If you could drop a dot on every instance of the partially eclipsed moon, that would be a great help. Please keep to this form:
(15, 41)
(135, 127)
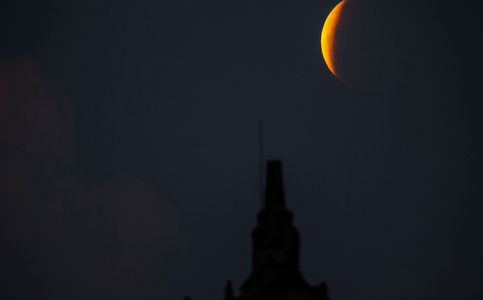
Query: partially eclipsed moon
(328, 38)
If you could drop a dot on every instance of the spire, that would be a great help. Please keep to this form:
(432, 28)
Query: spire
(229, 291)
(274, 194)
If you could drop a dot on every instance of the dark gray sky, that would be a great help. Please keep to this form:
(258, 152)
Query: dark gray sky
(129, 146)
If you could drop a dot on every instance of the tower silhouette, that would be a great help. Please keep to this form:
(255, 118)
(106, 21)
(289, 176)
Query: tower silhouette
(275, 251)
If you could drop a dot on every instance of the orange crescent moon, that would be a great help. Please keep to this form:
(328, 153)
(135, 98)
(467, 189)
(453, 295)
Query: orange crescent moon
(327, 38)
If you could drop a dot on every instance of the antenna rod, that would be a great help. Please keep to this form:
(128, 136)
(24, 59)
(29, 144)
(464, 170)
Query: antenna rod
(260, 141)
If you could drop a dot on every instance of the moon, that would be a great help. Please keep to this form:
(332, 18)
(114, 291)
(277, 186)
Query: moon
(328, 38)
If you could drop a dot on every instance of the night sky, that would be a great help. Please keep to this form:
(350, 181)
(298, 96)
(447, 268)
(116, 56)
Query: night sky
(129, 164)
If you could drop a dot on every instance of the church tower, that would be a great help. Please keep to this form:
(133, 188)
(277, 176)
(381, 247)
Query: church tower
(275, 251)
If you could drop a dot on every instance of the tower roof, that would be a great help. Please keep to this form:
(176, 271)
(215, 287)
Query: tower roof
(274, 193)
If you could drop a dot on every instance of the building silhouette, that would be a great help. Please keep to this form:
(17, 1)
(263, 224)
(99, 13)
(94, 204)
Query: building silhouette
(275, 251)
(275, 271)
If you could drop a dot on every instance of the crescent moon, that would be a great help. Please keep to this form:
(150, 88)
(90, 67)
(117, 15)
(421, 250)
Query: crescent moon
(327, 39)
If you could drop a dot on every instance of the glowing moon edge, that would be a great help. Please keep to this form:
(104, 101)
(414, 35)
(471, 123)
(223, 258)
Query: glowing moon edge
(327, 38)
